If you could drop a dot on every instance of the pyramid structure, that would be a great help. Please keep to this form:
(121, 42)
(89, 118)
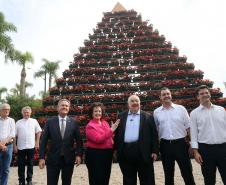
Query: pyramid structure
(118, 8)
(123, 56)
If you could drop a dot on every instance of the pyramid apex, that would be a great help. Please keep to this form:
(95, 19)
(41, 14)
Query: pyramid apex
(118, 8)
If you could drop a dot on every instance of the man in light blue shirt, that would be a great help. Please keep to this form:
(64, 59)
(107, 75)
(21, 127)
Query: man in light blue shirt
(136, 142)
(132, 127)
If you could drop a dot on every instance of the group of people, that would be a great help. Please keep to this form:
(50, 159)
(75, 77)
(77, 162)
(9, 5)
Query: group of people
(22, 138)
(135, 138)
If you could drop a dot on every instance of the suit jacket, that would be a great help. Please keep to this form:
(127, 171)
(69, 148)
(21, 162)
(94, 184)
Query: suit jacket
(148, 137)
(71, 142)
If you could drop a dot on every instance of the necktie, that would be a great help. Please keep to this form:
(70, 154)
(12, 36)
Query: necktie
(62, 128)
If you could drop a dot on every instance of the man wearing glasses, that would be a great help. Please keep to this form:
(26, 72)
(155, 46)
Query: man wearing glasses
(7, 134)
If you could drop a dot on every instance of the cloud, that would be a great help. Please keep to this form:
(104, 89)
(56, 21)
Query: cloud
(55, 29)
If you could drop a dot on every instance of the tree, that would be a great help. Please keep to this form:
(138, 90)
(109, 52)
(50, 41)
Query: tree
(16, 89)
(42, 73)
(28, 84)
(22, 59)
(43, 94)
(2, 90)
(6, 45)
(18, 102)
(39, 74)
(50, 68)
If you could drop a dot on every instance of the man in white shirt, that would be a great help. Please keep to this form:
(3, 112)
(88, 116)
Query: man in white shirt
(27, 140)
(173, 125)
(208, 137)
(7, 134)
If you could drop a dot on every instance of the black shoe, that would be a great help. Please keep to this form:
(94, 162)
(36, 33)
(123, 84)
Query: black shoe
(29, 183)
(21, 183)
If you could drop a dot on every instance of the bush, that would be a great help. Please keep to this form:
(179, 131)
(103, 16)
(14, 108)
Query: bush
(18, 102)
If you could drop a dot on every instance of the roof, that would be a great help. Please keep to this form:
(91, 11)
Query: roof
(118, 8)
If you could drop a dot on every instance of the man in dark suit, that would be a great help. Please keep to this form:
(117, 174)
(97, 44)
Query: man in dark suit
(61, 133)
(136, 143)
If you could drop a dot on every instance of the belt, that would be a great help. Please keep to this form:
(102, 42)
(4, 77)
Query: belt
(212, 145)
(173, 140)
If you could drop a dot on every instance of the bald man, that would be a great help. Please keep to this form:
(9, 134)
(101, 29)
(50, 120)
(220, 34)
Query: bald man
(136, 143)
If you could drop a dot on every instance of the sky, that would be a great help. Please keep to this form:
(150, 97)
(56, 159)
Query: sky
(55, 29)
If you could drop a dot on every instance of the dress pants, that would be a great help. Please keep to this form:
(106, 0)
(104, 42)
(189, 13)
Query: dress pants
(98, 162)
(132, 163)
(176, 150)
(25, 157)
(53, 172)
(213, 156)
(5, 161)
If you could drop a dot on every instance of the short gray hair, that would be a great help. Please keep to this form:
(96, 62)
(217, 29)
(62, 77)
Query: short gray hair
(61, 100)
(26, 108)
(164, 89)
(4, 105)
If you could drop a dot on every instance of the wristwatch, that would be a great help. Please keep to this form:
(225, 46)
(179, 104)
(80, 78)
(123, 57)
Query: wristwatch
(10, 142)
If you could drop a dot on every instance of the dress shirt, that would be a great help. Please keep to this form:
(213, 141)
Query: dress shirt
(99, 136)
(132, 127)
(25, 132)
(7, 128)
(172, 122)
(208, 125)
(60, 121)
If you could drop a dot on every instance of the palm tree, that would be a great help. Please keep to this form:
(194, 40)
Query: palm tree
(51, 69)
(28, 84)
(42, 73)
(16, 89)
(2, 90)
(39, 74)
(22, 59)
(6, 45)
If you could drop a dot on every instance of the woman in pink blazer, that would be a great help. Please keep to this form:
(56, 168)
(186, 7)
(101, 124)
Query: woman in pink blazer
(99, 144)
